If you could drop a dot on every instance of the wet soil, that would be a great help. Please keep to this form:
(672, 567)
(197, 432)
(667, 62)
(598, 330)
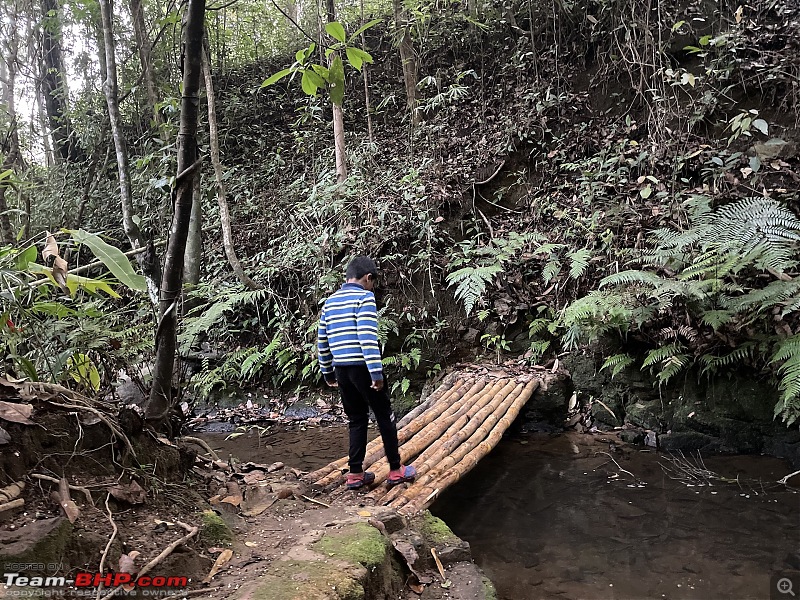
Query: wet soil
(552, 516)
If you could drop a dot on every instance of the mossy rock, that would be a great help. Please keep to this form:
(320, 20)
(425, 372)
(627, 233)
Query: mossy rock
(214, 531)
(307, 580)
(490, 593)
(435, 530)
(40, 542)
(356, 543)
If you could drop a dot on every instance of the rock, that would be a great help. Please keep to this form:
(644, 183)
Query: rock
(549, 404)
(775, 148)
(39, 542)
(392, 521)
(687, 441)
(645, 414)
(632, 436)
(470, 336)
(651, 439)
(454, 552)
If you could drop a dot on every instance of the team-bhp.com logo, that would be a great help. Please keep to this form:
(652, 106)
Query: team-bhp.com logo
(93, 580)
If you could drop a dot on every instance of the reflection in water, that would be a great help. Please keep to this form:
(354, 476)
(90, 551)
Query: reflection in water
(553, 517)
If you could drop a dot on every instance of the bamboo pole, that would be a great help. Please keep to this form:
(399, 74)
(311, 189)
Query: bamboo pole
(457, 451)
(341, 463)
(425, 496)
(455, 434)
(333, 471)
(433, 397)
(443, 412)
(434, 431)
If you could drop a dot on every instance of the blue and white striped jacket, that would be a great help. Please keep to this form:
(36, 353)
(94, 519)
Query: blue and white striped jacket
(348, 331)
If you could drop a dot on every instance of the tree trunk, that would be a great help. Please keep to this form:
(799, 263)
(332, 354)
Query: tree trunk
(193, 257)
(54, 85)
(224, 213)
(143, 45)
(8, 72)
(366, 78)
(112, 100)
(160, 402)
(407, 58)
(338, 116)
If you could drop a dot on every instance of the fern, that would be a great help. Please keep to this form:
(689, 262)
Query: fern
(471, 283)
(788, 352)
(632, 277)
(579, 262)
(743, 354)
(551, 269)
(669, 359)
(617, 363)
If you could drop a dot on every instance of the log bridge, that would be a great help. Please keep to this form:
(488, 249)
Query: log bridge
(444, 437)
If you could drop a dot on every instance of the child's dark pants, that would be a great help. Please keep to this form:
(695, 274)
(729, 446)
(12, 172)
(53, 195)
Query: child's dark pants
(357, 398)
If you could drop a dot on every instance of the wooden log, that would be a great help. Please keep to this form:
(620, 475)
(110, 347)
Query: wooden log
(433, 398)
(334, 471)
(424, 498)
(434, 430)
(458, 451)
(454, 437)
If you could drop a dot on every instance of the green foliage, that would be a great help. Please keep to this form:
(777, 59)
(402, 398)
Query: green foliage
(314, 76)
(471, 283)
(787, 354)
(617, 363)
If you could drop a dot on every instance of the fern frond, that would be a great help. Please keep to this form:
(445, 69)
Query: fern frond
(579, 262)
(744, 354)
(632, 277)
(617, 363)
(471, 283)
(551, 269)
(788, 351)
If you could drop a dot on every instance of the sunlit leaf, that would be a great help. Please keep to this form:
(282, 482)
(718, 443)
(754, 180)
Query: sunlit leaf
(309, 87)
(276, 77)
(113, 258)
(364, 27)
(336, 31)
(336, 80)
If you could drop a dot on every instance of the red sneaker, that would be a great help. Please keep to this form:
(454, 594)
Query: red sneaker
(358, 480)
(401, 475)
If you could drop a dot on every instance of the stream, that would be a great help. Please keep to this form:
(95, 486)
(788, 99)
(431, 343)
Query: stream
(581, 516)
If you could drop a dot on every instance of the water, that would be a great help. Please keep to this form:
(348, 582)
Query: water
(553, 517)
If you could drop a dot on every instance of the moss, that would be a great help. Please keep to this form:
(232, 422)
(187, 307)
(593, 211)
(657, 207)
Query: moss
(214, 531)
(306, 580)
(488, 589)
(435, 530)
(359, 543)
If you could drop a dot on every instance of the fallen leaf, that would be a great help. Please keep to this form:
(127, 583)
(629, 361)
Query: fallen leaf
(250, 544)
(16, 413)
(416, 588)
(132, 493)
(71, 510)
(223, 558)
(5, 438)
(364, 513)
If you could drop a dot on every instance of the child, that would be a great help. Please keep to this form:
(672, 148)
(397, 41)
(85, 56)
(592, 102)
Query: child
(350, 359)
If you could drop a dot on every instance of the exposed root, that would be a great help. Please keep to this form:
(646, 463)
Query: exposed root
(201, 443)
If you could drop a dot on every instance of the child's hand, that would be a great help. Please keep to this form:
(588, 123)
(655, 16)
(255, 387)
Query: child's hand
(332, 383)
(377, 385)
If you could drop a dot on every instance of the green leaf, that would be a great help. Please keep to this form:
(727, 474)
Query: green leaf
(678, 25)
(336, 81)
(336, 31)
(26, 256)
(6, 174)
(705, 40)
(92, 286)
(357, 57)
(755, 163)
(309, 86)
(113, 258)
(321, 71)
(646, 192)
(761, 125)
(275, 78)
(82, 369)
(364, 27)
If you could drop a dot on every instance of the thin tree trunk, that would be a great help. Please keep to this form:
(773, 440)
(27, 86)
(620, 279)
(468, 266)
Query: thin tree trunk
(224, 213)
(338, 116)
(54, 81)
(112, 100)
(407, 58)
(160, 402)
(193, 257)
(8, 70)
(143, 45)
(366, 78)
